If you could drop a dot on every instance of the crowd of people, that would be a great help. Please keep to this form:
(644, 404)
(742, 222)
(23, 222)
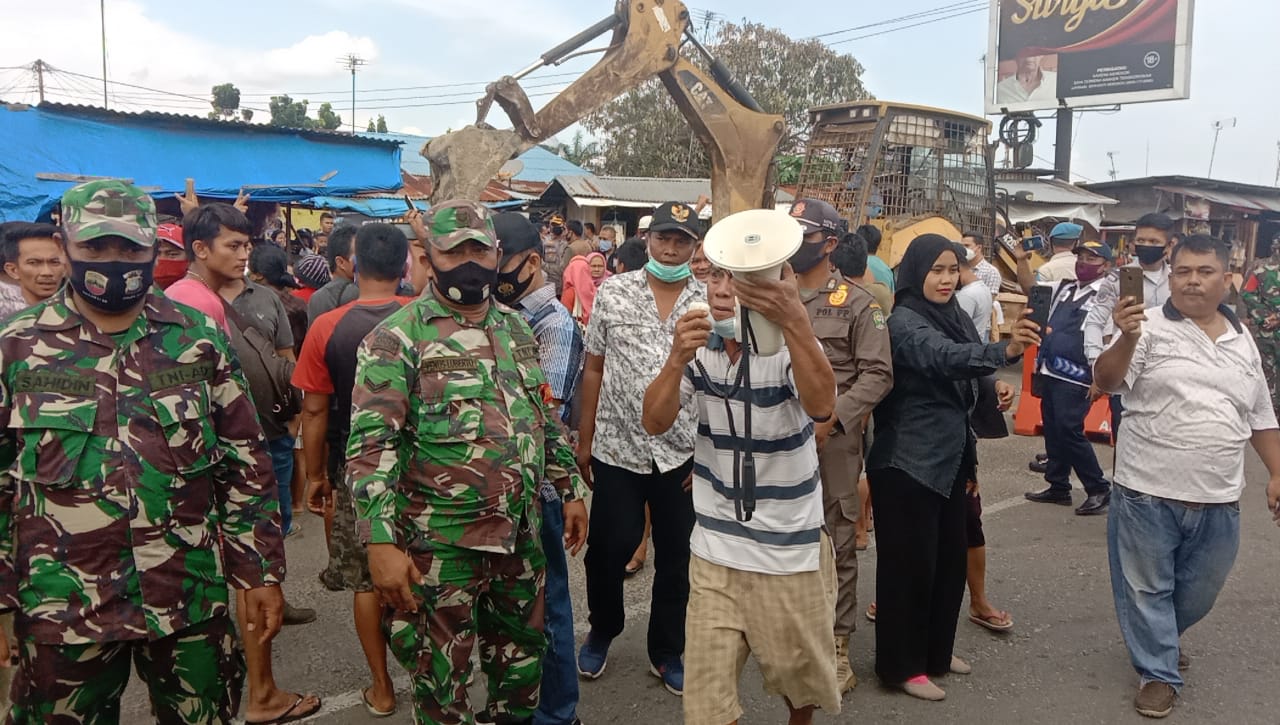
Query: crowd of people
(179, 392)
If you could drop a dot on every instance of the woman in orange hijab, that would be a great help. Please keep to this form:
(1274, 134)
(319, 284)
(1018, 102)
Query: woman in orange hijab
(582, 277)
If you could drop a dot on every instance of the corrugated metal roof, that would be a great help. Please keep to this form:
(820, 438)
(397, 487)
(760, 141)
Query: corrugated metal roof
(540, 165)
(642, 189)
(1226, 198)
(1051, 191)
(172, 119)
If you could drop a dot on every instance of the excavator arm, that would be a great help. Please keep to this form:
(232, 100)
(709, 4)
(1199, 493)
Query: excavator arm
(646, 39)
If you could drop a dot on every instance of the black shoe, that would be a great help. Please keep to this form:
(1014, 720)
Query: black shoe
(1049, 495)
(1042, 457)
(1040, 464)
(298, 615)
(1094, 505)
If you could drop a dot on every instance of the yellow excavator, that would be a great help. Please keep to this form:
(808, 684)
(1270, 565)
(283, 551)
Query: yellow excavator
(646, 39)
(908, 170)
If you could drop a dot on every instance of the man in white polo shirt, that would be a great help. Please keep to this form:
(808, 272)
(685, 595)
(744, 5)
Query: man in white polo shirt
(761, 579)
(1194, 394)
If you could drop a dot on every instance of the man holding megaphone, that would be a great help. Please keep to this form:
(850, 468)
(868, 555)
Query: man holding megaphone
(762, 574)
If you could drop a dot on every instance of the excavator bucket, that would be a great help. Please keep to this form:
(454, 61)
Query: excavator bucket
(463, 162)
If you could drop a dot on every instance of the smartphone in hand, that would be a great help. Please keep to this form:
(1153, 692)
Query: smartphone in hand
(1039, 301)
(1131, 283)
(1033, 244)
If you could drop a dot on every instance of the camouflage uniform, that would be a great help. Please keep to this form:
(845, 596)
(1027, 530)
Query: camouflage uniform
(1261, 296)
(135, 486)
(450, 436)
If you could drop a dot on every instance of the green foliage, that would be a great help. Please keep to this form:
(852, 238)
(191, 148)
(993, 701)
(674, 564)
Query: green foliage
(289, 113)
(643, 133)
(382, 123)
(582, 152)
(225, 102)
(326, 118)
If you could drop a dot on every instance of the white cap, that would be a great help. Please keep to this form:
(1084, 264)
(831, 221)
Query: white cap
(645, 221)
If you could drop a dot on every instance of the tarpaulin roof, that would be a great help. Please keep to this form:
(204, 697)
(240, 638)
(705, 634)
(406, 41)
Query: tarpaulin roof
(538, 164)
(383, 207)
(49, 148)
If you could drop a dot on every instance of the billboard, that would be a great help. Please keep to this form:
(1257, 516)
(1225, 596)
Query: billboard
(1050, 53)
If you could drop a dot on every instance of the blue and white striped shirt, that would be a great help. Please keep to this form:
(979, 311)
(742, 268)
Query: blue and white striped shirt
(783, 535)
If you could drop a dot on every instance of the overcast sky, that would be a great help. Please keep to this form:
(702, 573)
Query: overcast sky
(455, 46)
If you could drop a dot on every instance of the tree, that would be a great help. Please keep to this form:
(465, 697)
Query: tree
(226, 101)
(642, 133)
(382, 123)
(289, 113)
(371, 128)
(328, 120)
(581, 152)
(246, 114)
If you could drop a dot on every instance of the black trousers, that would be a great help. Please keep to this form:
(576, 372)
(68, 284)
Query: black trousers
(921, 562)
(617, 524)
(1062, 411)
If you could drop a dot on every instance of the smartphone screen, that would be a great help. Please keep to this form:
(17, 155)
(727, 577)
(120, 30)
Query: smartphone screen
(1033, 244)
(1131, 283)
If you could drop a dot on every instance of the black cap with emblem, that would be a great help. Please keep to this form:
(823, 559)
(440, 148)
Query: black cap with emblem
(677, 216)
(815, 215)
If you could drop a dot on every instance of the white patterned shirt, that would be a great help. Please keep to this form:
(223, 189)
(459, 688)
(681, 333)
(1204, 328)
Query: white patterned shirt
(625, 329)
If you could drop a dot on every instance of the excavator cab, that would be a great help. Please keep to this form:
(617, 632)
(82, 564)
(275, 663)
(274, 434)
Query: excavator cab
(909, 170)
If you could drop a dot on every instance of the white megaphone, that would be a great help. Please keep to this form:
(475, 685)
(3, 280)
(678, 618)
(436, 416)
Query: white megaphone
(755, 242)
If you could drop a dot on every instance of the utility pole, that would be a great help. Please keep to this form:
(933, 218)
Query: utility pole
(102, 14)
(1217, 129)
(1111, 155)
(1277, 164)
(352, 62)
(38, 68)
(1062, 148)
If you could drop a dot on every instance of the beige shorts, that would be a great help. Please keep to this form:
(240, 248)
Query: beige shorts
(786, 621)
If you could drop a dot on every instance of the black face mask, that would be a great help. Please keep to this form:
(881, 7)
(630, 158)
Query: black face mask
(469, 283)
(112, 286)
(510, 287)
(808, 256)
(1147, 254)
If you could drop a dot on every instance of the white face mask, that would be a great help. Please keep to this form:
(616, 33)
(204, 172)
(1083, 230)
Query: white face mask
(727, 328)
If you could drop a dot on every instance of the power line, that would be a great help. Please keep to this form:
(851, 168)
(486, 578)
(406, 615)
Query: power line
(971, 4)
(906, 27)
(314, 94)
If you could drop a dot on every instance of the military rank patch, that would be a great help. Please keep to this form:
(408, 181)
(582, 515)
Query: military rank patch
(837, 298)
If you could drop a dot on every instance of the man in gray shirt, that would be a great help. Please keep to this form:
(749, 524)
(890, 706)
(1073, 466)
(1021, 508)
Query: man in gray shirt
(341, 288)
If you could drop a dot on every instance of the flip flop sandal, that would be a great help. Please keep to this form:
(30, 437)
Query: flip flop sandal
(632, 571)
(993, 622)
(290, 715)
(871, 612)
(364, 695)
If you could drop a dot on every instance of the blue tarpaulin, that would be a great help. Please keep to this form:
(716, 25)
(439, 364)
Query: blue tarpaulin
(159, 151)
(384, 208)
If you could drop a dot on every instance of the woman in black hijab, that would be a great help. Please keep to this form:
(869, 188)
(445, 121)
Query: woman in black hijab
(921, 458)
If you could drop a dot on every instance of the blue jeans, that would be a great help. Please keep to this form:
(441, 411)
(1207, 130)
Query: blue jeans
(559, 703)
(1169, 560)
(282, 463)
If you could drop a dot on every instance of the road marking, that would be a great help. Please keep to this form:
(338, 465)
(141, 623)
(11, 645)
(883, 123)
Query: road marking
(355, 698)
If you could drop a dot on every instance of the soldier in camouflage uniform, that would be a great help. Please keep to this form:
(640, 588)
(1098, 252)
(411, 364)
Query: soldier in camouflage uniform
(1261, 296)
(451, 434)
(136, 486)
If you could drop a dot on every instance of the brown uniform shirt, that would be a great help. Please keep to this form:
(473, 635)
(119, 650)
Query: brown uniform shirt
(851, 326)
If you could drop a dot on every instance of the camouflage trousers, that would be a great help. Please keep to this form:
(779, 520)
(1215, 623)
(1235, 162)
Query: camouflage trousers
(470, 595)
(1269, 350)
(193, 676)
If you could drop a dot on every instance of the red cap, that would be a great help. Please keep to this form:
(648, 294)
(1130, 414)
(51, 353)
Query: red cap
(171, 233)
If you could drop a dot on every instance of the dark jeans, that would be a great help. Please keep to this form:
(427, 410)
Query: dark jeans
(559, 702)
(1063, 409)
(921, 561)
(282, 464)
(617, 524)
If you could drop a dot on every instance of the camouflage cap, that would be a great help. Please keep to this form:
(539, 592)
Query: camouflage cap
(107, 208)
(453, 222)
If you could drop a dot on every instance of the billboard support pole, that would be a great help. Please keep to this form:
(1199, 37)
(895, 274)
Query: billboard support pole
(1062, 147)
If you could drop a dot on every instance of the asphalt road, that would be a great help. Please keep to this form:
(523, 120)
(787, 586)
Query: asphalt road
(1063, 662)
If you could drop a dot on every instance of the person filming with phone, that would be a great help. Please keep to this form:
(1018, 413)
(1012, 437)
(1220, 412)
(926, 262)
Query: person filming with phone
(761, 581)
(1194, 394)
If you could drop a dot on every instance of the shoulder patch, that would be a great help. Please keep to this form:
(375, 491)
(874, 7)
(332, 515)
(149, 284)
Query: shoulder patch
(526, 353)
(877, 317)
(384, 343)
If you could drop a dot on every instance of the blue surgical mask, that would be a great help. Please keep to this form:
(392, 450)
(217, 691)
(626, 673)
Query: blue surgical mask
(727, 328)
(604, 244)
(666, 272)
